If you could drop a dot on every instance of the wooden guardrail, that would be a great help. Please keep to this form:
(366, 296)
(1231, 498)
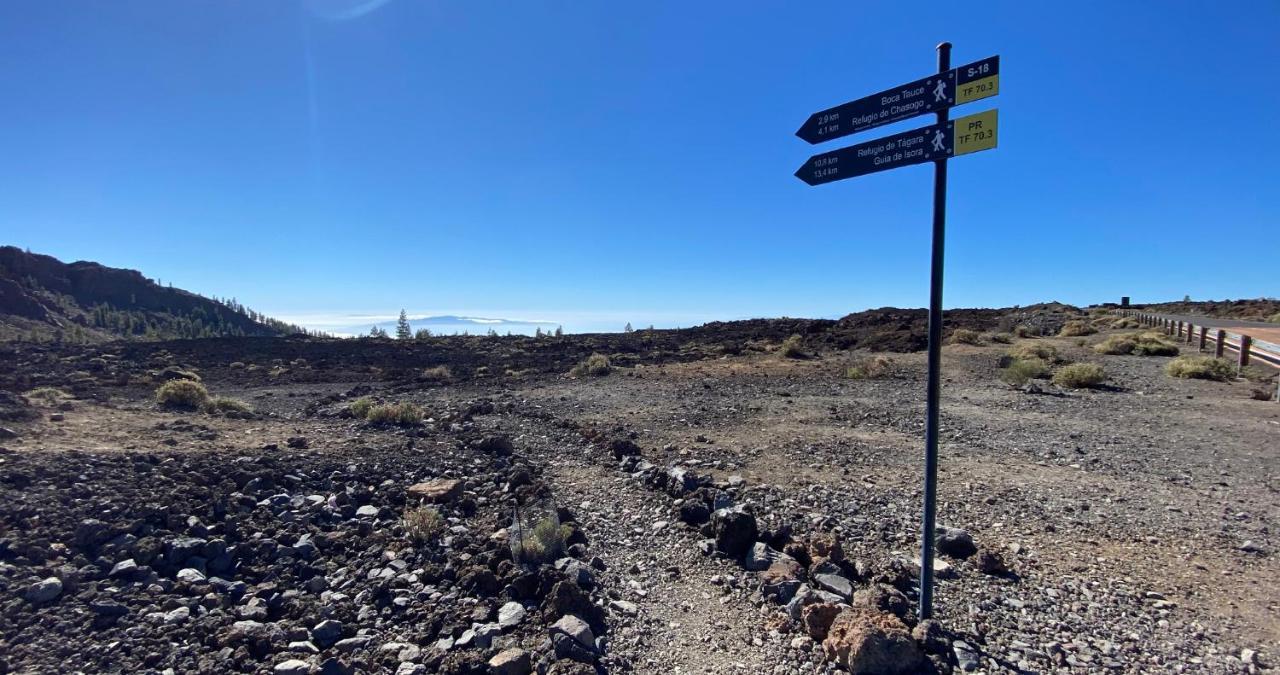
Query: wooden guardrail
(1247, 348)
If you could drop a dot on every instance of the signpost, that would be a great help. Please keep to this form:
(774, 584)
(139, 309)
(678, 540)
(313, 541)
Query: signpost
(947, 89)
(936, 143)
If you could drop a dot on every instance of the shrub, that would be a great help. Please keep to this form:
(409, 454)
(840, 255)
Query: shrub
(1023, 331)
(423, 523)
(226, 404)
(544, 542)
(1079, 376)
(791, 348)
(360, 407)
(436, 374)
(1000, 338)
(187, 394)
(1274, 318)
(395, 413)
(869, 369)
(48, 395)
(964, 336)
(1076, 329)
(1020, 371)
(1201, 368)
(1034, 350)
(1126, 322)
(1138, 344)
(176, 373)
(596, 365)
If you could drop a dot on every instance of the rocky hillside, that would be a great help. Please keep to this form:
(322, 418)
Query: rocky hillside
(43, 298)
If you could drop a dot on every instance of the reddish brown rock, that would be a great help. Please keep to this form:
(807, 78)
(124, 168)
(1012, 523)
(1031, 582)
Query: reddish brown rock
(817, 618)
(867, 641)
(438, 491)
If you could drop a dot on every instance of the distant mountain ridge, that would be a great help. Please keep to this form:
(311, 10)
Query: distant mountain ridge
(44, 298)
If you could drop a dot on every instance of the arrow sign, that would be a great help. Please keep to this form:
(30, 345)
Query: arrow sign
(960, 136)
(957, 86)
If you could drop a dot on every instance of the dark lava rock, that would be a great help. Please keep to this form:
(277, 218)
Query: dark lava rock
(734, 530)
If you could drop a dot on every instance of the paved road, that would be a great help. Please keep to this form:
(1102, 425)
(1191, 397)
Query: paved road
(1258, 330)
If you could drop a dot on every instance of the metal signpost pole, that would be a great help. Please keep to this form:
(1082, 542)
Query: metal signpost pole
(935, 361)
(945, 138)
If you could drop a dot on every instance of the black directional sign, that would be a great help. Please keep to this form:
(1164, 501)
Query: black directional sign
(960, 136)
(956, 86)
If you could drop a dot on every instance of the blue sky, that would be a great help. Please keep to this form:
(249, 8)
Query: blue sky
(593, 163)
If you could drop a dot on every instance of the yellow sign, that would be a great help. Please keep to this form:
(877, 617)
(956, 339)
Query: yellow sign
(972, 91)
(974, 133)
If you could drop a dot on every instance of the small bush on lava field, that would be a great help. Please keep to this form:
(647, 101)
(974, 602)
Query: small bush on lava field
(423, 523)
(1076, 329)
(1138, 344)
(1020, 371)
(1274, 318)
(394, 413)
(1023, 332)
(1080, 376)
(48, 395)
(1034, 350)
(187, 394)
(545, 542)
(436, 374)
(1000, 338)
(1125, 322)
(964, 336)
(790, 348)
(360, 407)
(596, 365)
(226, 404)
(1201, 368)
(872, 368)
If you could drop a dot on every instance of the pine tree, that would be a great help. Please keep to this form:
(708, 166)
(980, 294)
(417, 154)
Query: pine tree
(403, 332)
(559, 331)
(377, 332)
(538, 333)
(422, 334)
(628, 328)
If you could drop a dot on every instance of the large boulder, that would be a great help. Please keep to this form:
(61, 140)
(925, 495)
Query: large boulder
(954, 542)
(734, 530)
(761, 557)
(513, 661)
(573, 639)
(437, 491)
(867, 642)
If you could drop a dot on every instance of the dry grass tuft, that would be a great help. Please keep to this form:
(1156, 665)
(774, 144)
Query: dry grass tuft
(436, 374)
(1080, 376)
(394, 413)
(964, 336)
(1201, 368)
(48, 395)
(596, 365)
(872, 368)
(226, 404)
(790, 348)
(1138, 344)
(544, 542)
(1076, 329)
(423, 523)
(184, 394)
(1021, 371)
(360, 407)
(1035, 350)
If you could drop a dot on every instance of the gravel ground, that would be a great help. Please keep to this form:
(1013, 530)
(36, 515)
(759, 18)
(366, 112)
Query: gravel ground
(1129, 528)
